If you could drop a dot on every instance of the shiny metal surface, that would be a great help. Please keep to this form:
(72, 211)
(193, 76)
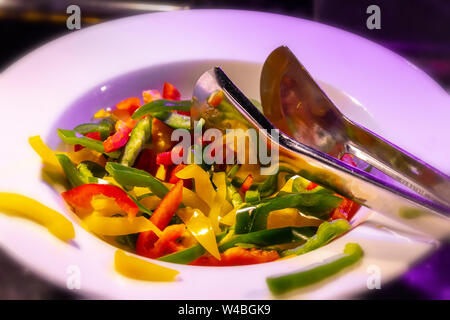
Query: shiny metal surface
(294, 102)
(420, 212)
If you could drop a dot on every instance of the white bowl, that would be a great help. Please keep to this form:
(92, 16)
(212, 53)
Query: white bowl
(63, 82)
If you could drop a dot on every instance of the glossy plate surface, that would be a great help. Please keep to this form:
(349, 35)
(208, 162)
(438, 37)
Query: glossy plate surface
(63, 82)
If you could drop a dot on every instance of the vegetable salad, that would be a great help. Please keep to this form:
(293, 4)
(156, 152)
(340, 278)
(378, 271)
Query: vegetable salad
(125, 188)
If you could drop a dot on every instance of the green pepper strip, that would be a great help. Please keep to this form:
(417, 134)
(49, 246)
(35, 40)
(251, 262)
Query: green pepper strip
(327, 231)
(318, 204)
(285, 283)
(140, 135)
(105, 128)
(128, 176)
(72, 174)
(243, 220)
(233, 195)
(91, 169)
(174, 120)
(252, 196)
(269, 237)
(69, 137)
(190, 254)
(160, 106)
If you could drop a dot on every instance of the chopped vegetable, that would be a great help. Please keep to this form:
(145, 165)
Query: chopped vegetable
(318, 204)
(285, 283)
(81, 196)
(161, 218)
(139, 269)
(201, 228)
(119, 138)
(238, 256)
(70, 137)
(139, 136)
(157, 107)
(55, 222)
(203, 185)
(170, 92)
(134, 177)
(270, 237)
(71, 172)
(113, 226)
(104, 128)
(327, 231)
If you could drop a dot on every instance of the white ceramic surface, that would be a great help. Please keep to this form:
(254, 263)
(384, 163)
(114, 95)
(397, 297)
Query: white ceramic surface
(373, 86)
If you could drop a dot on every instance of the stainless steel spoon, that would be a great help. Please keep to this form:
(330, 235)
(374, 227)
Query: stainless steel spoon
(419, 212)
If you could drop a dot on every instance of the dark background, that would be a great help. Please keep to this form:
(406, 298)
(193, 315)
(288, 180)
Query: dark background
(419, 30)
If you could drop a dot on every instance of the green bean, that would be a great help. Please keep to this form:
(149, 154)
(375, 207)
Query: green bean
(140, 135)
(270, 237)
(72, 174)
(69, 137)
(319, 204)
(105, 128)
(128, 176)
(327, 231)
(285, 283)
(160, 106)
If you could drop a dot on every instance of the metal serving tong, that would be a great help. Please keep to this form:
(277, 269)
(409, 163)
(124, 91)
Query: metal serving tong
(314, 133)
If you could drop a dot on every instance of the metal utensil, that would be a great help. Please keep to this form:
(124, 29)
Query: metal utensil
(293, 101)
(421, 213)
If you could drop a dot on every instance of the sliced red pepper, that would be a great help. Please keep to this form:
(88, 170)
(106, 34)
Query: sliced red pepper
(92, 135)
(347, 208)
(164, 158)
(147, 161)
(215, 99)
(238, 256)
(170, 92)
(130, 105)
(161, 218)
(311, 186)
(80, 197)
(166, 243)
(119, 138)
(247, 184)
(187, 183)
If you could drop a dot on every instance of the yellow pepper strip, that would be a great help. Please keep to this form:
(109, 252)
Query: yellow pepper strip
(287, 257)
(105, 206)
(191, 199)
(115, 226)
(230, 218)
(161, 172)
(200, 227)
(86, 155)
(47, 155)
(220, 202)
(56, 223)
(102, 113)
(290, 217)
(203, 186)
(139, 269)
